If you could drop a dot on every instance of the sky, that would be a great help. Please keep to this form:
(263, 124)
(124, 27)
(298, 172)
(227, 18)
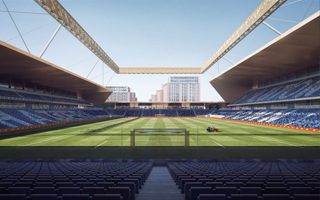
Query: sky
(145, 33)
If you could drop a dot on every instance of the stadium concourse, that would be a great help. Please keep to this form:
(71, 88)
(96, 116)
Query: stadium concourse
(60, 140)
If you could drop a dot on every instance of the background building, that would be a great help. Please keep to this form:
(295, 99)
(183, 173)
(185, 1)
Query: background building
(121, 94)
(179, 89)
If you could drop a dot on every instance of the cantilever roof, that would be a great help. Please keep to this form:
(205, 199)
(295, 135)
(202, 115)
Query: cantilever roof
(295, 50)
(18, 64)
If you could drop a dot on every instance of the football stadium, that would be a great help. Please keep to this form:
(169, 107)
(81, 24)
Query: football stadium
(242, 124)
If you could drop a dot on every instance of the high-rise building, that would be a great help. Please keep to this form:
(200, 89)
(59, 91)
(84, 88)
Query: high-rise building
(121, 94)
(179, 89)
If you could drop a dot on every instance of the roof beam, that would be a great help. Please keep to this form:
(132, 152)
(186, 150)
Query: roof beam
(265, 9)
(57, 11)
(160, 70)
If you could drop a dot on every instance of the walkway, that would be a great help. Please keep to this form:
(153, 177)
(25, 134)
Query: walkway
(160, 186)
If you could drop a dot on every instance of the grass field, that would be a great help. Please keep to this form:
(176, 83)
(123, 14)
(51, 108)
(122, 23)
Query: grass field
(116, 133)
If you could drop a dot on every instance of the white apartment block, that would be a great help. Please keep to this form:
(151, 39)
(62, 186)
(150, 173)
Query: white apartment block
(179, 89)
(121, 94)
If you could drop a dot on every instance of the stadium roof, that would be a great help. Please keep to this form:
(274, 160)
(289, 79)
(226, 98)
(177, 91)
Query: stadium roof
(293, 51)
(18, 64)
(262, 11)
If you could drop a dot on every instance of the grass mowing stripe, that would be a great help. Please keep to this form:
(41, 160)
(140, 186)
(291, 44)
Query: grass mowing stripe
(232, 134)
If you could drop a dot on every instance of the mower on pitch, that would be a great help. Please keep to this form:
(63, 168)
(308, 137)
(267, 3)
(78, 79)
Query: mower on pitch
(212, 129)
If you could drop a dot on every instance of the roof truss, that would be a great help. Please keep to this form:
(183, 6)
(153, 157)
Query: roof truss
(56, 10)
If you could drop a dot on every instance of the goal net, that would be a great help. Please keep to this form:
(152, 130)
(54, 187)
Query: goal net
(159, 137)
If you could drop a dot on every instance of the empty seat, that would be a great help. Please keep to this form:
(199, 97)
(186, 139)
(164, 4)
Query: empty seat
(133, 187)
(75, 196)
(188, 185)
(212, 197)
(69, 190)
(276, 197)
(43, 197)
(275, 190)
(93, 190)
(125, 192)
(214, 184)
(244, 197)
(13, 197)
(44, 190)
(107, 197)
(64, 184)
(194, 192)
(300, 190)
(226, 190)
(19, 190)
(306, 196)
(24, 184)
(250, 190)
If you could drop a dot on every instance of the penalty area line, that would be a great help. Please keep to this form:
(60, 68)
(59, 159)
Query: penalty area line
(101, 143)
(46, 140)
(217, 143)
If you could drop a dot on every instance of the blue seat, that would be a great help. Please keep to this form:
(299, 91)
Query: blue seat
(44, 190)
(307, 196)
(107, 197)
(93, 190)
(250, 190)
(194, 192)
(13, 197)
(212, 197)
(244, 197)
(19, 190)
(43, 197)
(69, 190)
(226, 190)
(123, 191)
(75, 196)
(276, 197)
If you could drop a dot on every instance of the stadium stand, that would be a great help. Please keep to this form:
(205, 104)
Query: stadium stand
(289, 90)
(300, 118)
(31, 98)
(36, 97)
(13, 118)
(72, 180)
(270, 89)
(247, 180)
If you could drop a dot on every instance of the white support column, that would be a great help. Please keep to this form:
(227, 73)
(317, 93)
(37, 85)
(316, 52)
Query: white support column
(228, 60)
(17, 28)
(102, 74)
(50, 40)
(94, 66)
(271, 28)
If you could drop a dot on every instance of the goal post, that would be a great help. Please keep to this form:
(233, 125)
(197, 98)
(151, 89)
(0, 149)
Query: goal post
(159, 132)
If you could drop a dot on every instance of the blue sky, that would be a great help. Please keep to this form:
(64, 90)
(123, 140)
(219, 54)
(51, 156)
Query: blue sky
(148, 33)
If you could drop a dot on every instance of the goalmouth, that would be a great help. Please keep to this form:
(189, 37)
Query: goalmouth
(159, 132)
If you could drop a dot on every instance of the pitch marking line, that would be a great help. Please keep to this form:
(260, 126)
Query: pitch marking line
(217, 143)
(287, 143)
(102, 143)
(46, 140)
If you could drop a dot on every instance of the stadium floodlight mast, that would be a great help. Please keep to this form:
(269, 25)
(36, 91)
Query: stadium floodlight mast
(263, 10)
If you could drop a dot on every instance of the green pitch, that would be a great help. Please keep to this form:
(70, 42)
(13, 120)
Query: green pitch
(116, 133)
